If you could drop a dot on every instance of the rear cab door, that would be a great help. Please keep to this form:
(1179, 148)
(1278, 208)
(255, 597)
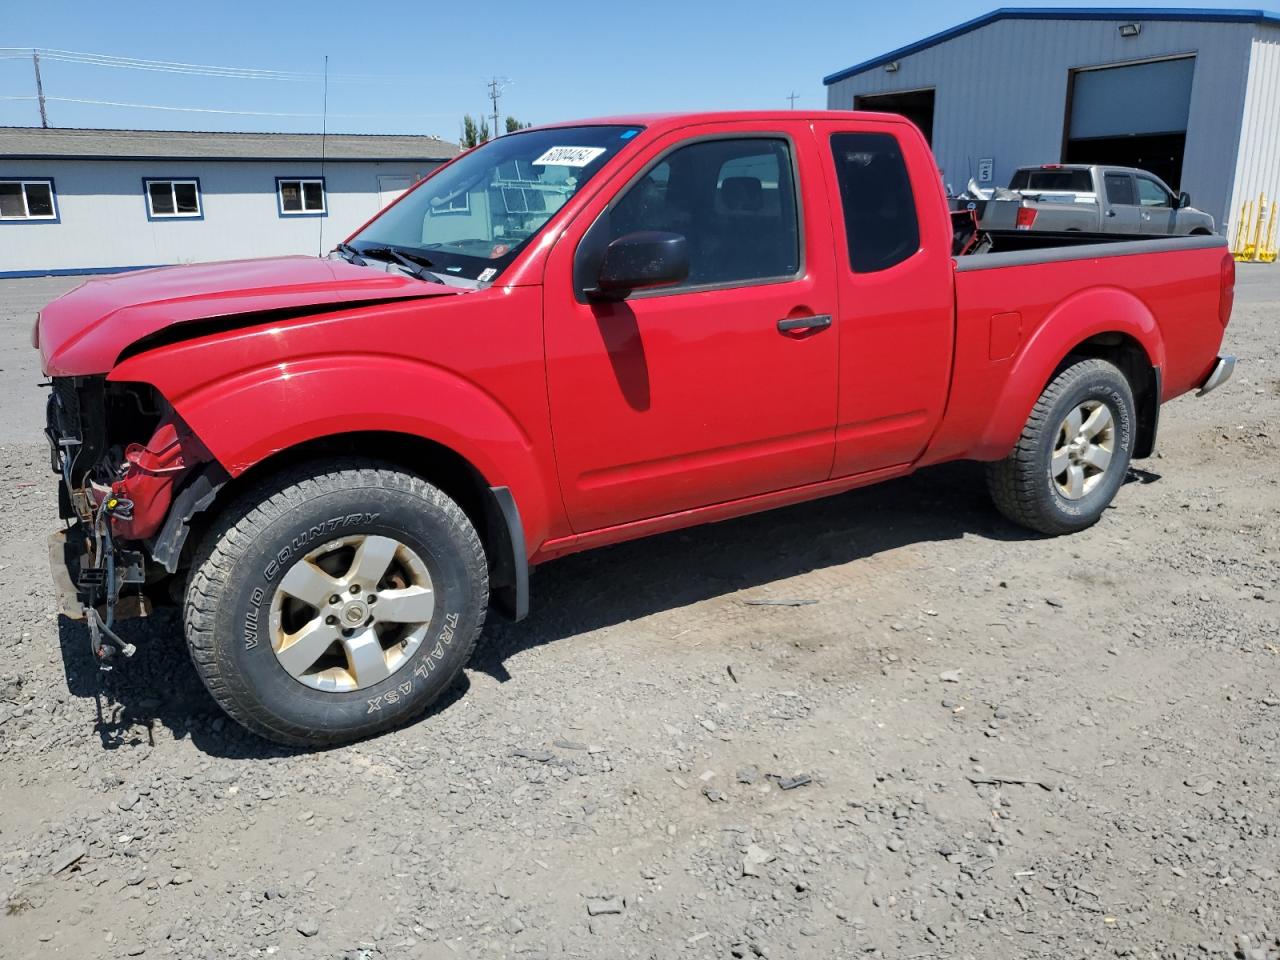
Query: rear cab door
(896, 290)
(719, 388)
(1121, 212)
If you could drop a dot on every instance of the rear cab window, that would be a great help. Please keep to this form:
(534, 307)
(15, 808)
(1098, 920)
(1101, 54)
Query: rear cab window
(1120, 189)
(1062, 181)
(880, 217)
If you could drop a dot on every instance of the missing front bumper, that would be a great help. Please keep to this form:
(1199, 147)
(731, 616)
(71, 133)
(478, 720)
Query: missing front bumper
(1220, 374)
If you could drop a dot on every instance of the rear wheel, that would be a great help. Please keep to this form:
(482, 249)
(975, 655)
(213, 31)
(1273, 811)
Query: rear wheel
(335, 602)
(1073, 454)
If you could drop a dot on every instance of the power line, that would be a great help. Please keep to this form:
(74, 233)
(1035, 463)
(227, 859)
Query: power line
(243, 113)
(209, 70)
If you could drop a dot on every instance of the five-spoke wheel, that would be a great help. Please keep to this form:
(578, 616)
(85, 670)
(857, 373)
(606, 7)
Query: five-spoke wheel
(351, 612)
(1073, 453)
(1086, 444)
(335, 600)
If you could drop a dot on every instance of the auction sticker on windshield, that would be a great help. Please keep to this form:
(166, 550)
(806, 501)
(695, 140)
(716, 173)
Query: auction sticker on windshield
(568, 156)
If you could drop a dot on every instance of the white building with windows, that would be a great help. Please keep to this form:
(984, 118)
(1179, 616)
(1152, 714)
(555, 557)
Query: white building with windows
(99, 201)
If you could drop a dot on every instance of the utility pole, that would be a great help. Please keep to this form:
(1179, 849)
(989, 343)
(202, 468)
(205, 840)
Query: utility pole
(44, 117)
(495, 92)
(793, 97)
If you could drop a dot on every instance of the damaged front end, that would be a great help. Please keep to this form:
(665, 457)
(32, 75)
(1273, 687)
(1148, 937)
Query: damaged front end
(122, 455)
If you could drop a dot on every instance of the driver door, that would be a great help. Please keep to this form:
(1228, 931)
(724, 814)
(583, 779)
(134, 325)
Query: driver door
(702, 392)
(1158, 207)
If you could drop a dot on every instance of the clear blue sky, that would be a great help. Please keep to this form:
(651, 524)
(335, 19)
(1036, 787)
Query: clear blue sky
(422, 65)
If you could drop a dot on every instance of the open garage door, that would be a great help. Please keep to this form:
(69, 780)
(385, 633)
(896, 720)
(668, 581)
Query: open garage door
(1131, 116)
(915, 105)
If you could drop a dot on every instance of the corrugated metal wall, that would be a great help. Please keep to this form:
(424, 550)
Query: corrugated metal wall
(1258, 165)
(1002, 90)
(104, 217)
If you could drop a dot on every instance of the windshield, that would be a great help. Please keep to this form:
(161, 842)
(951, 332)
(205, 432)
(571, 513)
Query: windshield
(472, 218)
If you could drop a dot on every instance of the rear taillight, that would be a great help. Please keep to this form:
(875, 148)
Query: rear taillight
(1026, 217)
(1227, 292)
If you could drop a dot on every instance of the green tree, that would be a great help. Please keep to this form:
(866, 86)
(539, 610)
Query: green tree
(474, 134)
(513, 125)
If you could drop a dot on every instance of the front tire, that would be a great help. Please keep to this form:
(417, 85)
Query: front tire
(1073, 454)
(335, 602)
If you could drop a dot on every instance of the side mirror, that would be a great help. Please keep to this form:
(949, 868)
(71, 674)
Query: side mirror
(638, 261)
(1184, 199)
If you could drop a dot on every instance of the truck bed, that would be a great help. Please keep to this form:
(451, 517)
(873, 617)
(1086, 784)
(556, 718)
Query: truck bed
(1166, 288)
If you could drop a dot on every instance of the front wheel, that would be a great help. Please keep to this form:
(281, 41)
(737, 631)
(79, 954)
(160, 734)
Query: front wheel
(1073, 454)
(335, 602)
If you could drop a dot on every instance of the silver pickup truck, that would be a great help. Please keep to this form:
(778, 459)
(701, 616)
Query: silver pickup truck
(1079, 198)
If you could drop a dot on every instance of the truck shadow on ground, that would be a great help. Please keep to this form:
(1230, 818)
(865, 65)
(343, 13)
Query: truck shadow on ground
(615, 584)
(159, 687)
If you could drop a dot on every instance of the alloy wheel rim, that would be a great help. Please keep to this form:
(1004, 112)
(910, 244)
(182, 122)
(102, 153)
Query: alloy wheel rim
(351, 613)
(1083, 450)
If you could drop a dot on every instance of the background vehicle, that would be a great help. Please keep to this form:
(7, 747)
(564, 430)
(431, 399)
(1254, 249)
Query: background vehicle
(569, 337)
(1064, 198)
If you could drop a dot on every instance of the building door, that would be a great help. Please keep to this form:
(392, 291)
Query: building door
(1131, 116)
(390, 188)
(915, 105)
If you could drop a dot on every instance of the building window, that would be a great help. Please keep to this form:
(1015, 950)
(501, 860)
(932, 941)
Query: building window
(27, 200)
(173, 199)
(299, 197)
(457, 204)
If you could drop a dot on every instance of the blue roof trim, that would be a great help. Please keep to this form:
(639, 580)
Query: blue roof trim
(1200, 14)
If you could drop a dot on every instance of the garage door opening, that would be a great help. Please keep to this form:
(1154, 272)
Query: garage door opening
(915, 105)
(1131, 116)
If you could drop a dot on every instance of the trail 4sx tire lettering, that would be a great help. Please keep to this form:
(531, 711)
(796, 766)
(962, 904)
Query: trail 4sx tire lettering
(1073, 454)
(335, 602)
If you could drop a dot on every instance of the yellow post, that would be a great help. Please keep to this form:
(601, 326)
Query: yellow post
(1257, 227)
(1268, 253)
(1242, 230)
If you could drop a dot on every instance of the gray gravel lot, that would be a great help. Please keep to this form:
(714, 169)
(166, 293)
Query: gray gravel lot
(973, 743)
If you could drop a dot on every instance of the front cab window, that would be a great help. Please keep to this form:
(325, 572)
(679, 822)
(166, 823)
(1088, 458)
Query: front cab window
(734, 202)
(1151, 194)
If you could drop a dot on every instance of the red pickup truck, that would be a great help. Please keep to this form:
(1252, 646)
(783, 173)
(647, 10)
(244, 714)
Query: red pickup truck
(568, 337)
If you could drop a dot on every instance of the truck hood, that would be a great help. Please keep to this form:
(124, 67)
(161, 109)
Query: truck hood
(84, 332)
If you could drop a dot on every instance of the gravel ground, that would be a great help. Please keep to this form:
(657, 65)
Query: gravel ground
(962, 741)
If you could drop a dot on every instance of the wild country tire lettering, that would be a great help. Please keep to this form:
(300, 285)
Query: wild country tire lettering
(281, 560)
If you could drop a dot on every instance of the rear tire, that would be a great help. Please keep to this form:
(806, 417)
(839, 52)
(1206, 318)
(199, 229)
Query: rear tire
(334, 602)
(1073, 454)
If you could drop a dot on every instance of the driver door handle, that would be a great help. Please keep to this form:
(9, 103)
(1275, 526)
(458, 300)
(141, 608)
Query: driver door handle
(817, 322)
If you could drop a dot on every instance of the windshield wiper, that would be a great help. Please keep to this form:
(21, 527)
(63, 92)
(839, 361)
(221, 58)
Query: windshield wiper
(350, 254)
(415, 264)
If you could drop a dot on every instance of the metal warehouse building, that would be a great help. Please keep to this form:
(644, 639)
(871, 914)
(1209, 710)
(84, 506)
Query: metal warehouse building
(1191, 95)
(98, 201)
